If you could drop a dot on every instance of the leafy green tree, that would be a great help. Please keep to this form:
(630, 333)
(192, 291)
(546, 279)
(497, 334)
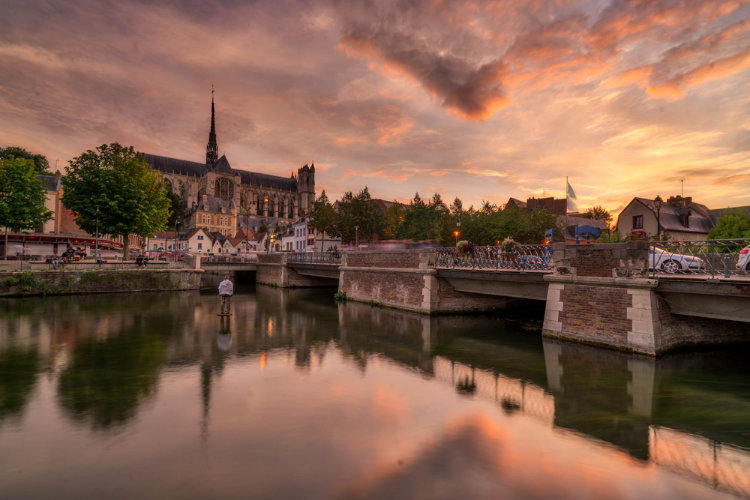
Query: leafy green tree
(394, 214)
(323, 216)
(362, 212)
(22, 197)
(41, 165)
(422, 221)
(732, 224)
(599, 213)
(129, 194)
(176, 209)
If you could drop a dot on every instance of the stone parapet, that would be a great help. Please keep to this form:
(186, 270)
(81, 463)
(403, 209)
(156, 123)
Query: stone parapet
(604, 260)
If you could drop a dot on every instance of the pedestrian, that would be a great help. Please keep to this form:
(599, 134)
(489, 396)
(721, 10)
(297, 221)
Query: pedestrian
(225, 292)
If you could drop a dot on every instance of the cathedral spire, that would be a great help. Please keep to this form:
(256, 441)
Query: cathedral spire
(212, 150)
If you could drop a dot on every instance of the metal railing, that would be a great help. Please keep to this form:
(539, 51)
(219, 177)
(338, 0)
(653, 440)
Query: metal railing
(229, 259)
(710, 258)
(519, 258)
(314, 258)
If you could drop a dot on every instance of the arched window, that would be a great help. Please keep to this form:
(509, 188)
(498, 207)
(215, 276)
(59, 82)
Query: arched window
(224, 189)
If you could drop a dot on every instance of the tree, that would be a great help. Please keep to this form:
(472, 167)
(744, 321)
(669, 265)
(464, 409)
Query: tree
(359, 211)
(599, 213)
(129, 194)
(41, 165)
(394, 214)
(422, 221)
(22, 197)
(731, 224)
(176, 209)
(323, 216)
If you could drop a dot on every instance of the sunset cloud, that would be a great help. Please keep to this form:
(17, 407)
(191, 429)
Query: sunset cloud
(483, 100)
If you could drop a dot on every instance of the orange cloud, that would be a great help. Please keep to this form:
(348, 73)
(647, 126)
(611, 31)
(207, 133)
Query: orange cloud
(707, 72)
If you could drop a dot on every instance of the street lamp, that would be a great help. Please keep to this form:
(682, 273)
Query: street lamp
(176, 237)
(96, 236)
(457, 232)
(356, 237)
(658, 204)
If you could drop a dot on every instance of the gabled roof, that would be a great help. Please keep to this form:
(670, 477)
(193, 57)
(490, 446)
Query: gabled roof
(516, 202)
(214, 204)
(222, 165)
(193, 231)
(672, 217)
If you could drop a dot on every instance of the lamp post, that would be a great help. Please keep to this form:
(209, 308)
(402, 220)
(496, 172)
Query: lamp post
(176, 237)
(356, 237)
(96, 236)
(457, 232)
(658, 204)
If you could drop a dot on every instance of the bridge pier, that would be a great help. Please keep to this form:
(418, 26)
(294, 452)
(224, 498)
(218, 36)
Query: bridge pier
(601, 294)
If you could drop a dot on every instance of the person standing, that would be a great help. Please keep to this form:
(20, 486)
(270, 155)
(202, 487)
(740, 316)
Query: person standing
(226, 289)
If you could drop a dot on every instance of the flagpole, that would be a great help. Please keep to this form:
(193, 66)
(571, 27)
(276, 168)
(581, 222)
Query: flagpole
(566, 206)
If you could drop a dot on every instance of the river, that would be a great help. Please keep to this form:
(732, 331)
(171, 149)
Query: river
(294, 396)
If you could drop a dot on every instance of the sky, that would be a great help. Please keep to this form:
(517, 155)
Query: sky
(481, 100)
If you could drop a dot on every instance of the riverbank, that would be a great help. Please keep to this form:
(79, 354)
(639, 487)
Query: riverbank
(71, 282)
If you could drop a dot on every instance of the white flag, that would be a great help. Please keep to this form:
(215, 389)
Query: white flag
(571, 196)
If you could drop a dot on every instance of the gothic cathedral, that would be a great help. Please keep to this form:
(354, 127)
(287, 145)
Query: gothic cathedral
(223, 199)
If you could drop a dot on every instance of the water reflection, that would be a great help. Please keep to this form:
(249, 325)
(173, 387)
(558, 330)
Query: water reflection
(18, 371)
(108, 358)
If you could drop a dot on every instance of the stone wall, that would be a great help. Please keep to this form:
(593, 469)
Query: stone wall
(406, 279)
(87, 282)
(601, 294)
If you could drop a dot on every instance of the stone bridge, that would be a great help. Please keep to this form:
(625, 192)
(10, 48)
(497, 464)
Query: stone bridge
(598, 294)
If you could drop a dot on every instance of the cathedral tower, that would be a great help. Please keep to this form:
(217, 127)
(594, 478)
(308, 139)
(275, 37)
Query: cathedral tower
(306, 188)
(212, 150)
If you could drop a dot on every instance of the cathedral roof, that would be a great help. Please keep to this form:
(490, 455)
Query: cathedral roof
(266, 180)
(222, 165)
(184, 167)
(165, 164)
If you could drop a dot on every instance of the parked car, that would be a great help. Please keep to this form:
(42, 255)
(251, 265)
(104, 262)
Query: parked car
(743, 263)
(671, 263)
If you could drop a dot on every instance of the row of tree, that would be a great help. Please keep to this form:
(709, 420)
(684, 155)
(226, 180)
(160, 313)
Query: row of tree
(358, 216)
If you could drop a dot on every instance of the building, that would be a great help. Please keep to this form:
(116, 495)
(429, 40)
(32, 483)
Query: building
(679, 219)
(550, 204)
(162, 241)
(53, 185)
(221, 199)
(196, 240)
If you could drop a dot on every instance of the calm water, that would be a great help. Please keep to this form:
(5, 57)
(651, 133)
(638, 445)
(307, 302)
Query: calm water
(153, 396)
